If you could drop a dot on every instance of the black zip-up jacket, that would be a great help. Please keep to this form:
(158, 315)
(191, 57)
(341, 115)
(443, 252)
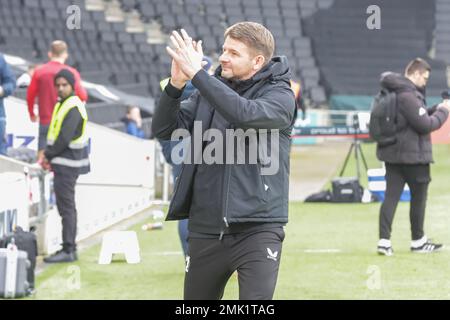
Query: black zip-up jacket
(414, 123)
(216, 196)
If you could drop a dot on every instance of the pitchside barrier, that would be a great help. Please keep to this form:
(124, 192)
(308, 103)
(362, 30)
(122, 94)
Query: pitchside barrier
(377, 185)
(121, 182)
(321, 124)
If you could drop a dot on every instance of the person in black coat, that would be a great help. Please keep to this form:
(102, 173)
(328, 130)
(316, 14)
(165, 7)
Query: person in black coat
(408, 160)
(237, 210)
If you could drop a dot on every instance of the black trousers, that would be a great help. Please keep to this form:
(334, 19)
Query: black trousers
(255, 256)
(64, 186)
(418, 178)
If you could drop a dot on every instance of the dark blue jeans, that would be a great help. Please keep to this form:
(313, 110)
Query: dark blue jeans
(3, 142)
(167, 146)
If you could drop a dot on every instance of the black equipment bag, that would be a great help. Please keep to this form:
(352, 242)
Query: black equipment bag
(346, 190)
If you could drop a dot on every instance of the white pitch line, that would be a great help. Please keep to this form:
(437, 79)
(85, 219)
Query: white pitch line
(167, 253)
(322, 251)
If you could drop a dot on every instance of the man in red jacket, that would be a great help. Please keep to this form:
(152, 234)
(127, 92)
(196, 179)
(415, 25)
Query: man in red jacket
(42, 88)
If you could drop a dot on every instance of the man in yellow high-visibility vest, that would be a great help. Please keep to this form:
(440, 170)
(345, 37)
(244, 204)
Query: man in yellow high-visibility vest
(67, 155)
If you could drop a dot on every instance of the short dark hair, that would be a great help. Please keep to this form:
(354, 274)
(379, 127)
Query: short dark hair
(58, 48)
(254, 35)
(418, 64)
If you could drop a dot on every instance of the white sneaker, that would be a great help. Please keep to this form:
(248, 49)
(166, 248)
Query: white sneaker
(427, 247)
(386, 251)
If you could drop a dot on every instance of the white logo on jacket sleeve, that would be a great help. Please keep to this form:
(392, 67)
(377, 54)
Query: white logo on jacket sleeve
(272, 255)
(422, 111)
(188, 262)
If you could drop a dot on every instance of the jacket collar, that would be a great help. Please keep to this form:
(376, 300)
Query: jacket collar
(62, 101)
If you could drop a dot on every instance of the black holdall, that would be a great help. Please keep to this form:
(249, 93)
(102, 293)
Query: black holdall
(321, 196)
(346, 190)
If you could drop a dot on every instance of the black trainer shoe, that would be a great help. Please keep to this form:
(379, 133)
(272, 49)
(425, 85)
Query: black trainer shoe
(385, 251)
(428, 247)
(61, 256)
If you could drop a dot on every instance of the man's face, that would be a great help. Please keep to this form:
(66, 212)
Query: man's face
(63, 88)
(135, 114)
(237, 60)
(420, 79)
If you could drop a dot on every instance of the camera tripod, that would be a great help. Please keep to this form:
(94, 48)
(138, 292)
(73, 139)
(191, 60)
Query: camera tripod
(355, 147)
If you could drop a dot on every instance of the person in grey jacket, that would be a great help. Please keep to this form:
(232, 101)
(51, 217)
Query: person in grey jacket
(236, 211)
(408, 160)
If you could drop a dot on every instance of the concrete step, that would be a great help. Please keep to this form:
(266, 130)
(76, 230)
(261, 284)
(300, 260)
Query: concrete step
(113, 11)
(134, 23)
(132, 20)
(155, 34)
(95, 5)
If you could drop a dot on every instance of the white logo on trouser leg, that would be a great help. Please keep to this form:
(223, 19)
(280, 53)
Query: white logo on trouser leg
(272, 255)
(188, 261)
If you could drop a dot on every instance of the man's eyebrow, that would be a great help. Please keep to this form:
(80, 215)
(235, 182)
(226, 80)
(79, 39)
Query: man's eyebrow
(233, 50)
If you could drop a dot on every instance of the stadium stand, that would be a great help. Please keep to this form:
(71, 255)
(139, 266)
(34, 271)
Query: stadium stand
(443, 30)
(351, 65)
(102, 51)
(105, 52)
(208, 19)
(313, 34)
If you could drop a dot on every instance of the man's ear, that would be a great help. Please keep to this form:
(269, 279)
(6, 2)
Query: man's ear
(259, 62)
(49, 54)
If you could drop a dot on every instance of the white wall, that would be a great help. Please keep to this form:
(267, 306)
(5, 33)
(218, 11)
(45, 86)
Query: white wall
(120, 184)
(13, 201)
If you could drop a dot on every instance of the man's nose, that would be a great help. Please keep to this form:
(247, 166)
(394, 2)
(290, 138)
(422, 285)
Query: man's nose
(223, 58)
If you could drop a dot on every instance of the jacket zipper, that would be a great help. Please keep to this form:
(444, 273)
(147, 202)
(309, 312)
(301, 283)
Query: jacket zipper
(225, 205)
(225, 202)
(225, 211)
(226, 225)
(177, 185)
